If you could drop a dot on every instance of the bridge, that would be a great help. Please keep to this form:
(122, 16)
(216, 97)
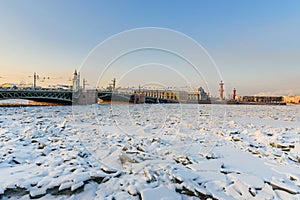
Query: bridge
(48, 95)
(71, 97)
(73, 94)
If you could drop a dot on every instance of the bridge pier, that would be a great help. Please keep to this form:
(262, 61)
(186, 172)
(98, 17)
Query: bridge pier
(86, 97)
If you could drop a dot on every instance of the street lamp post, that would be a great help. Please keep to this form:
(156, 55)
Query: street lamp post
(35, 76)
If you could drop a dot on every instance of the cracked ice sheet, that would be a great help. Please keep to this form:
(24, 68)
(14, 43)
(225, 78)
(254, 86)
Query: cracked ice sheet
(162, 153)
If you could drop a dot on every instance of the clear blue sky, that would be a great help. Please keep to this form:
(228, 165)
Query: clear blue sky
(256, 44)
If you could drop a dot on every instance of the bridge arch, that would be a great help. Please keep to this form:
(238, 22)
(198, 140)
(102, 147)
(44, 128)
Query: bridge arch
(37, 95)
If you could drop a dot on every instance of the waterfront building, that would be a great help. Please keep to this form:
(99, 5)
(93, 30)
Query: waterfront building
(292, 99)
(182, 96)
(261, 99)
(9, 85)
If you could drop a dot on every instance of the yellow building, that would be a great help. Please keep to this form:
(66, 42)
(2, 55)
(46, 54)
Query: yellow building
(292, 99)
(193, 95)
(9, 85)
(176, 96)
(163, 94)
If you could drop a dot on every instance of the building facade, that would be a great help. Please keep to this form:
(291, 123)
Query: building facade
(292, 99)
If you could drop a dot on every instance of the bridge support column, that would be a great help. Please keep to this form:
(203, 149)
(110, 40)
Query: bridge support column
(85, 97)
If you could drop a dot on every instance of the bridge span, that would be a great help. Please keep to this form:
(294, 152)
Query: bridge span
(63, 96)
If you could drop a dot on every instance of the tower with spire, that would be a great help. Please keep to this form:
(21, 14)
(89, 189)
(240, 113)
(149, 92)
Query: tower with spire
(76, 81)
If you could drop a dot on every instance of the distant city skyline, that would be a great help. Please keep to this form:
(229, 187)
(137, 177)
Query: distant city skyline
(255, 44)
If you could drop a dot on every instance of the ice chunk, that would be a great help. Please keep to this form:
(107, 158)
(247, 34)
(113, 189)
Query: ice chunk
(160, 192)
(65, 185)
(35, 192)
(250, 180)
(1, 190)
(276, 184)
(81, 177)
(77, 185)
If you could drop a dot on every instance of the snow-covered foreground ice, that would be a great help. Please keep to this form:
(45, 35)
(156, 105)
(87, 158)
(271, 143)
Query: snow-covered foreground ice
(150, 152)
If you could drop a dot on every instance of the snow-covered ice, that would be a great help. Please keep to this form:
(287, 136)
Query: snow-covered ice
(159, 151)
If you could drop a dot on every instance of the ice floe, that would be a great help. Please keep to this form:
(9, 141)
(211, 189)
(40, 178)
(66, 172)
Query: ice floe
(150, 152)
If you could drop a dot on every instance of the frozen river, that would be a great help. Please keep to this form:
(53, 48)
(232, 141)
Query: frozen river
(155, 151)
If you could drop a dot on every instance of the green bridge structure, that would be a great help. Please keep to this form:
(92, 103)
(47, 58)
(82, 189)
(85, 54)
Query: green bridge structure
(43, 95)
